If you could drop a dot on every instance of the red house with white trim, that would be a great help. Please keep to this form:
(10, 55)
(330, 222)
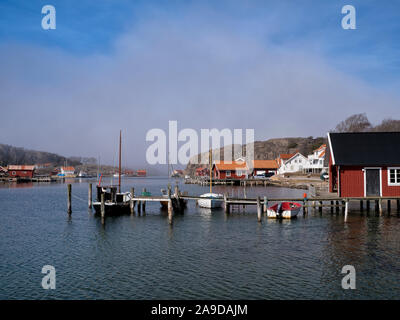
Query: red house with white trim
(3, 171)
(364, 164)
(20, 171)
(230, 170)
(141, 173)
(202, 172)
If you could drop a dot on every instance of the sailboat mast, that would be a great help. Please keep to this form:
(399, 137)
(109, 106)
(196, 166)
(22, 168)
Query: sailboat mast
(210, 170)
(98, 169)
(119, 169)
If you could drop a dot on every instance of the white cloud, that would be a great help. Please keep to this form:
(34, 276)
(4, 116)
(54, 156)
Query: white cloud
(204, 76)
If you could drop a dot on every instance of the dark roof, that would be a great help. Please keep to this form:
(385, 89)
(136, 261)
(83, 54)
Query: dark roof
(365, 148)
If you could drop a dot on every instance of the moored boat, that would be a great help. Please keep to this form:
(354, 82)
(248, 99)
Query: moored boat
(83, 174)
(116, 175)
(211, 200)
(114, 202)
(284, 210)
(164, 204)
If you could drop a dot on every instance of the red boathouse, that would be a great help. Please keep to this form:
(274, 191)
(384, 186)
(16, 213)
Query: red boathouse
(230, 170)
(364, 164)
(20, 171)
(141, 173)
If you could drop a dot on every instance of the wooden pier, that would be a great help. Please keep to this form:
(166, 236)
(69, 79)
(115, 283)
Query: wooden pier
(334, 203)
(233, 182)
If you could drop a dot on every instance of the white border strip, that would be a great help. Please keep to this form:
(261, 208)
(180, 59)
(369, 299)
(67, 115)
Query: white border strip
(330, 148)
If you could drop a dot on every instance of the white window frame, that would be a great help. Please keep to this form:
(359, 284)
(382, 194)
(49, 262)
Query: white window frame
(365, 179)
(388, 174)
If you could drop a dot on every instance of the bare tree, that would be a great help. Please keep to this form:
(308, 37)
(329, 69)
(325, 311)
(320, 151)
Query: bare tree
(388, 125)
(355, 123)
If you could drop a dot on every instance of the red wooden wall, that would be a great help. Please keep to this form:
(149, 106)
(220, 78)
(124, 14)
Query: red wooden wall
(21, 173)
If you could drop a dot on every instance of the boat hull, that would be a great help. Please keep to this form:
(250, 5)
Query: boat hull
(164, 204)
(289, 210)
(112, 208)
(210, 201)
(182, 203)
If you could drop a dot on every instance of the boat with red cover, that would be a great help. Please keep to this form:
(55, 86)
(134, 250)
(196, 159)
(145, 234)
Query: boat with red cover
(284, 210)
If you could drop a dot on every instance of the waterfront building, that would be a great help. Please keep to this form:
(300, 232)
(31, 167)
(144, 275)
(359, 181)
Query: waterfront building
(315, 162)
(364, 164)
(265, 167)
(3, 171)
(282, 158)
(202, 172)
(67, 172)
(230, 170)
(289, 163)
(141, 173)
(20, 171)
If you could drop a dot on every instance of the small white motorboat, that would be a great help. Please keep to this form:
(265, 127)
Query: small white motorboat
(116, 175)
(284, 210)
(211, 200)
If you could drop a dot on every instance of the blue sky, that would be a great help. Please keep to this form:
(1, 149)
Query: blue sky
(164, 60)
(88, 27)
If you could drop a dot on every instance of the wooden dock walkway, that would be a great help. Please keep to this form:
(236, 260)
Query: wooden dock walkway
(175, 199)
(242, 182)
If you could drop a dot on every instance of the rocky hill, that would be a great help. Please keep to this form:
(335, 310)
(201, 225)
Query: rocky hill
(270, 149)
(16, 155)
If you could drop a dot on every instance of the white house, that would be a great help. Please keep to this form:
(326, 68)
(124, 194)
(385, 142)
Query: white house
(67, 172)
(316, 160)
(294, 164)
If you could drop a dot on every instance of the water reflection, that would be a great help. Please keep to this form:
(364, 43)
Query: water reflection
(204, 254)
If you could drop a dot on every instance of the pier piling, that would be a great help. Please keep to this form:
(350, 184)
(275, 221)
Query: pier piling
(132, 203)
(170, 211)
(90, 201)
(305, 209)
(227, 207)
(169, 205)
(144, 202)
(102, 206)
(265, 206)
(177, 200)
(346, 211)
(69, 205)
(258, 209)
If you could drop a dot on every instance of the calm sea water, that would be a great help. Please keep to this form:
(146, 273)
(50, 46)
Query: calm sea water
(203, 255)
